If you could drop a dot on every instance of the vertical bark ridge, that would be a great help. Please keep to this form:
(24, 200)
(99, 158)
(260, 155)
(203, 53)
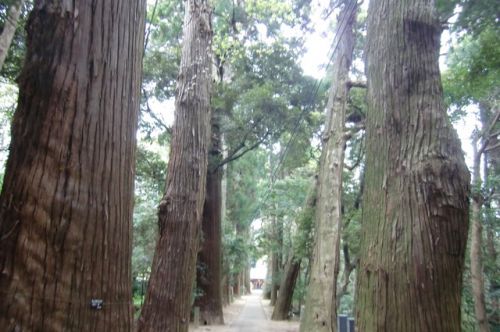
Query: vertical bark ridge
(209, 269)
(415, 214)
(321, 309)
(66, 204)
(168, 298)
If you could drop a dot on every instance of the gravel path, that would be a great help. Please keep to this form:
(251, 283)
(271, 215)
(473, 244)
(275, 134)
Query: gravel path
(250, 314)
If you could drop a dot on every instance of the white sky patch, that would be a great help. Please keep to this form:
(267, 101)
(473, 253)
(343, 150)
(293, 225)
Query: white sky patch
(259, 271)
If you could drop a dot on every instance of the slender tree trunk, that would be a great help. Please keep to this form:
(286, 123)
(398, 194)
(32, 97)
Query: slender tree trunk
(248, 287)
(292, 270)
(209, 276)
(476, 257)
(67, 199)
(225, 291)
(168, 298)
(415, 205)
(287, 286)
(268, 282)
(9, 29)
(490, 171)
(348, 268)
(275, 265)
(320, 310)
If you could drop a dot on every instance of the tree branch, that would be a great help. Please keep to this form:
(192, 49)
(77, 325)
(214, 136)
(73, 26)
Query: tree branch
(159, 122)
(357, 84)
(148, 33)
(240, 152)
(493, 147)
(484, 147)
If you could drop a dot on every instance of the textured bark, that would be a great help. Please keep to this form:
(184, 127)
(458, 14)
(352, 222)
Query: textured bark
(415, 205)
(168, 298)
(348, 268)
(9, 28)
(321, 309)
(236, 285)
(287, 286)
(66, 203)
(268, 283)
(476, 244)
(247, 283)
(275, 265)
(208, 277)
(478, 201)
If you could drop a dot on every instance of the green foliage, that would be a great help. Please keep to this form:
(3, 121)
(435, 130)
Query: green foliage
(476, 16)
(163, 49)
(15, 56)
(149, 183)
(474, 70)
(304, 240)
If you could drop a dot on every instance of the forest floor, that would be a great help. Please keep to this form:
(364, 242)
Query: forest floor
(250, 313)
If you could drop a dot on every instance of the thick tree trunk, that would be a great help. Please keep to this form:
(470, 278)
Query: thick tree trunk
(246, 281)
(209, 258)
(476, 257)
(415, 207)
(275, 265)
(320, 310)
(236, 285)
(9, 29)
(67, 199)
(287, 286)
(168, 299)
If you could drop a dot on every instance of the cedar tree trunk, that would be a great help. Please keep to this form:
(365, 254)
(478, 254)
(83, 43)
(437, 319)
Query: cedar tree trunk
(275, 265)
(67, 199)
(320, 309)
(415, 205)
(9, 29)
(208, 277)
(284, 301)
(168, 298)
(476, 255)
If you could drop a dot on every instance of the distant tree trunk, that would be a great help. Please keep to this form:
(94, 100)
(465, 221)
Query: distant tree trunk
(320, 310)
(236, 285)
(415, 205)
(66, 203)
(292, 270)
(248, 287)
(348, 268)
(287, 286)
(226, 293)
(209, 276)
(9, 29)
(275, 265)
(168, 298)
(268, 282)
(476, 257)
(478, 200)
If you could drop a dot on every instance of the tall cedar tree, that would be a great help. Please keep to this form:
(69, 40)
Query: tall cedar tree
(415, 206)
(209, 269)
(292, 269)
(321, 309)
(66, 204)
(168, 298)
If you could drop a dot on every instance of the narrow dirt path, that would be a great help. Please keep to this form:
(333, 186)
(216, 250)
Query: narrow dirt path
(250, 314)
